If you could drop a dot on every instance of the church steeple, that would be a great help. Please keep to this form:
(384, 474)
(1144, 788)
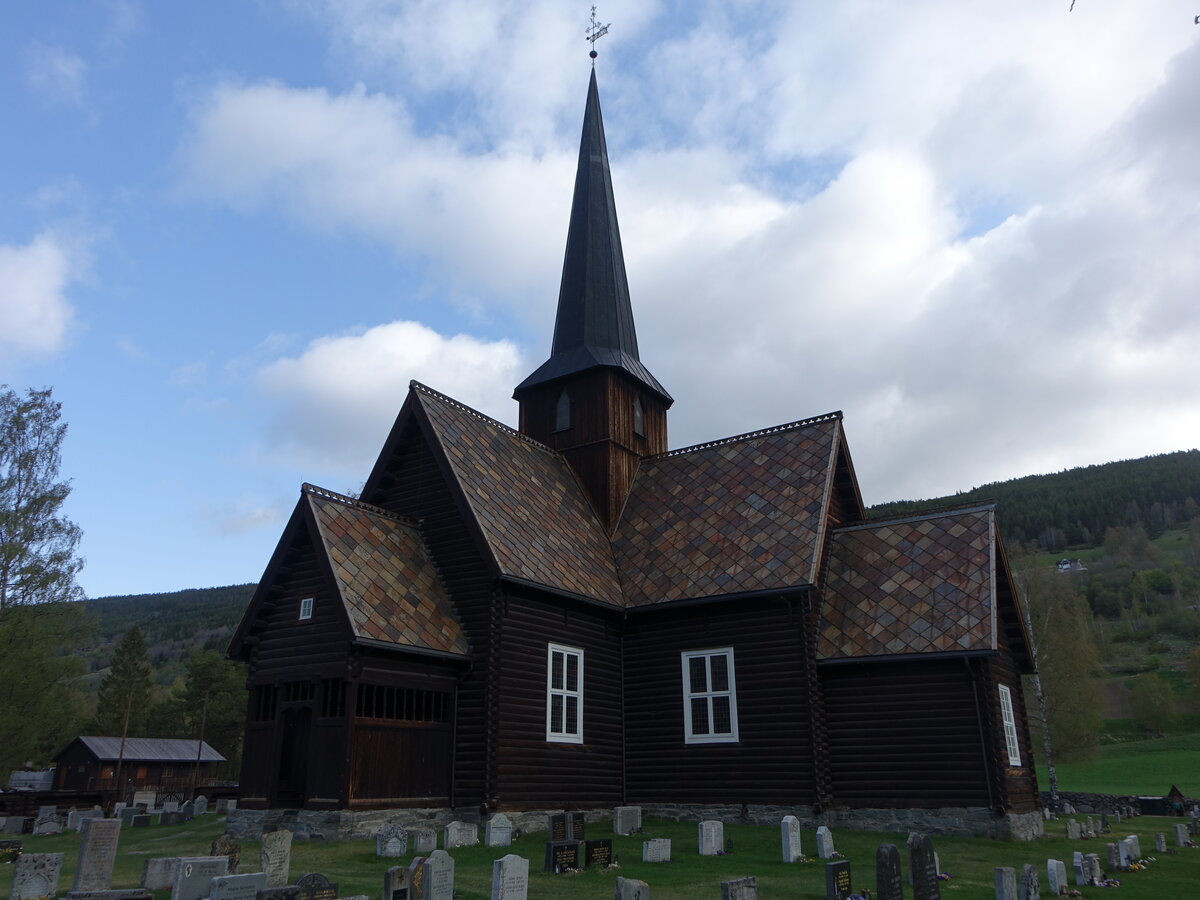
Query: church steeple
(594, 399)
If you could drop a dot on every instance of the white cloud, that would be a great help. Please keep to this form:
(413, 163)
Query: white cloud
(35, 313)
(337, 399)
(57, 74)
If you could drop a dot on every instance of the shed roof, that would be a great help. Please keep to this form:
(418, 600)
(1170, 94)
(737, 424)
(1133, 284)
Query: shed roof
(139, 749)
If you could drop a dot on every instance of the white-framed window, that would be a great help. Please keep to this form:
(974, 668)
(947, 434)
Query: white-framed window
(306, 607)
(1010, 726)
(564, 694)
(709, 697)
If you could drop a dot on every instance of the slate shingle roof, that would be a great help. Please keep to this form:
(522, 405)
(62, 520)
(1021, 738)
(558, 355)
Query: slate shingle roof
(150, 749)
(386, 579)
(919, 585)
(532, 511)
(740, 515)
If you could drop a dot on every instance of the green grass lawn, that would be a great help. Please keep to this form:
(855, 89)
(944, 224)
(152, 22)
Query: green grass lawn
(356, 869)
(1136, 768)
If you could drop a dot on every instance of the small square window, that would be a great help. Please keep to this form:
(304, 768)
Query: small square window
(306, 607)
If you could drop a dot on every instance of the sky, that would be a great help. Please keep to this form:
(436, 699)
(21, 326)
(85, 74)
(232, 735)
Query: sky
(232, 232)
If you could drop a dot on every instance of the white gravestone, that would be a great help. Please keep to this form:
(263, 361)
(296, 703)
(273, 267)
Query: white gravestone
(1030, 887)
(498, 831)
(1181, 836)
(238, 887)
(1078, 866)
(424, 840)
(1006, 883)
(631, 889)
(1135, 847)
(275, 849)
(395, 884)
(35, 875)
(711, 837)
(656, 850)
(627, 819)
(460, 834)
(1056, 877)
(97, 853)
(824, 842)
(391, 840)
(195, 876)
(510, 878)
(789, 835)
(439, 876)
(159, 874)
(740, 889)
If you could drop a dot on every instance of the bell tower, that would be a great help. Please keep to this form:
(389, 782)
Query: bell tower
(593, 399)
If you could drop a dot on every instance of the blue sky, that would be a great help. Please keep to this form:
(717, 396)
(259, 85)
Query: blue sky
(230, 233)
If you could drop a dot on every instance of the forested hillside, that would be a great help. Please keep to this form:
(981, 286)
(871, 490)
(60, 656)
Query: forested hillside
(1076, 508)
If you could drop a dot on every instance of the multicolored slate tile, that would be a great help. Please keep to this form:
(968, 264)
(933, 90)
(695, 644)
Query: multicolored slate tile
(924, 584)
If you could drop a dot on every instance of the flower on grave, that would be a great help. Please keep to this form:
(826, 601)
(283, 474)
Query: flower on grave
(944, 876)
(836, 854)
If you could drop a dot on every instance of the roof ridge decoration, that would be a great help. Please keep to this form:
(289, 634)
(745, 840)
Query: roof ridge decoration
(484, 417)
(836, 415)
(934, 513)
(345, 500)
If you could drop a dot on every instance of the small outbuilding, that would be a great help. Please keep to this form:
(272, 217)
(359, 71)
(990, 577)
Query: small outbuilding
(90, 763)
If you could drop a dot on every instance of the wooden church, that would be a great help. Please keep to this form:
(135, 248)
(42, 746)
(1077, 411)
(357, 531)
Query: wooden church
(572, 615)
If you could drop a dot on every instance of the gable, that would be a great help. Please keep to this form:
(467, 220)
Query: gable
(740, 515)
(917, 585)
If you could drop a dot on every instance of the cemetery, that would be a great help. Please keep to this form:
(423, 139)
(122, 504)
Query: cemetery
(1149, 856)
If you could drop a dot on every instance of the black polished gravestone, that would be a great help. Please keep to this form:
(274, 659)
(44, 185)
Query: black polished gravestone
(889, 883)
(578, 823)
(562, 856)
(923, 868)
(558, 827)
(315, 886)
(597, 853)
(837, 880)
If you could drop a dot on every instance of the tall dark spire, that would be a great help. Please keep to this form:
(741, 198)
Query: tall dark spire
(594, 326)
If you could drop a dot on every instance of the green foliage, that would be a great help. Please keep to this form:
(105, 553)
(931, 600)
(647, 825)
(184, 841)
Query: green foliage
(212, 703)
(37, 544)
(124, 698)
(40, 698)
(1153, 703)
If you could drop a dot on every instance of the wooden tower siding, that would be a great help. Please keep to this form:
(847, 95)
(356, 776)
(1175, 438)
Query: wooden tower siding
(287, 651)
(413, 483)
(532, 773)
(772, 761)
(601, 445)
(1018, 784)
(904, 734)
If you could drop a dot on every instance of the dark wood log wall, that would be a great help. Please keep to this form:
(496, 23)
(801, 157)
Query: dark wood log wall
(413, 484)
(905, 734)
(1019, 783)
(772, 761)
(530, 772)
(286, 650)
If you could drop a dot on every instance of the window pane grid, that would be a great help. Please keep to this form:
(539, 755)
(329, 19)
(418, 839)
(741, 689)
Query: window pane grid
(710, 701)
(564, 694)
(1010, 726)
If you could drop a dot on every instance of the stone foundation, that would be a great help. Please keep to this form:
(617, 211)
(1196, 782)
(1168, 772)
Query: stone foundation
(361, 825)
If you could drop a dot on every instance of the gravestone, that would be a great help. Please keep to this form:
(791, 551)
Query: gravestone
(145, 799)
(1103, 822)
(160, 874)
(140, 821)
(416, 878)
(597, 852)
(789, 837)
(1091, 863)
(35, 875)
(1160, 843)
(562, 856)
(1114, 857)
(50, 824)
(439, 876)
(226, 846)
(127, 814)
(47, 811)
(170, 817)
(279, 892)
(627, 819)
(557, 829)
(222, 806)
(889, 883)
(837, 880)
(391, 841)
(824, 842)
(73, 819)
(1090, 827)
(1135, 847)
(1030, 888)
(1181, 836)
(740, 889)
(498, 831)
(922, 868)
(460, 834)
(424, 840)
(170, 806)
(188, 809)
(711, 836)
(656, 850)
(275, 855)
(97, 853)
(395, 884)
(200, 805)
(631, 889)
(1056, 877)
(1117, 816)
(577, 826)
(1068, 809)
(1006, 883)
(1081, 875)
(510, 878)
(315, 886)
(15, 825)
(195, 876)
(238, 887)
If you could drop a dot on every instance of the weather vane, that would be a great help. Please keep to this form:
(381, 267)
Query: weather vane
(594, 33)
